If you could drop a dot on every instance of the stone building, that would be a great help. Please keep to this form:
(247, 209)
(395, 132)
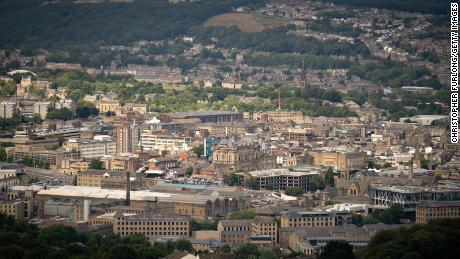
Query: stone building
(241, 155)
(428, 211)
(308, 219)
(339, 160)
(152, 225)
(12, 208)
(95, 178)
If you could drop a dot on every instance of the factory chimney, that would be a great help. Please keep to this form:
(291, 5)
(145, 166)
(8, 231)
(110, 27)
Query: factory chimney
(128, 190)
(279, 100)
(411, 171)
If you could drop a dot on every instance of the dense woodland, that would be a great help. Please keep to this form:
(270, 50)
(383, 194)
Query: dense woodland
(52, 24)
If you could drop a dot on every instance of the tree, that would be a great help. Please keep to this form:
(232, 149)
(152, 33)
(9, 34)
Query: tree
(437, 239)
(203, 225)
(225, 249)
(7, 88)
(60, 114)
(293, 191)
(183, 245)
(58, 235)
(189, 171)
(76, 95)
(251, 183)
(246, 251)
(316, 183)
(243, 214)
(393, 214)
(85, 109)
(232, 179)
(96, 164)
(198, 150)
(330, 177)
(123, 252)
(337, 249)
(3, 156)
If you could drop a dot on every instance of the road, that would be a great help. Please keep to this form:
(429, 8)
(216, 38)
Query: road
(49, 176)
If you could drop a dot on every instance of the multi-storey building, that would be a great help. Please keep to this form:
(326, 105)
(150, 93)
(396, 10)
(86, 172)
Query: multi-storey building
(308, 219)
(265, 227)
(8, 178)
(89, 149)
(241, 155)
(34, 143)
(280, 179)
(13, 208)
(410, 196)
(301, 136)
(41, 109)
(279, 116)
(128, 137)
(235, 231)
(7, 109)
(428, 211)
(312, 241)
(151, 141)
(95, 178)
(152, 225)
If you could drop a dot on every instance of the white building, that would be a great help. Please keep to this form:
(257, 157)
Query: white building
(89, 149)
(164, 142)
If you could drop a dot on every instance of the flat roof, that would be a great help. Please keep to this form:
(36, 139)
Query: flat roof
(98, 193)
(183, 185)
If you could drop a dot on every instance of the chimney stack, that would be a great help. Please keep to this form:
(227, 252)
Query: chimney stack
(411, 171)
(128, 190)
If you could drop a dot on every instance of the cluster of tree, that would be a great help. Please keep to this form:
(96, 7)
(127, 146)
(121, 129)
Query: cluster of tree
(392, 74)
(337, 249)
(330, 177)
(196, 225)
(294, 191)
(23, 240)
(306, 61)
(251, 251)
(325, 25)
(390, 215)
(36, 25)
(276, 40)
(232, 179)
(85, 109)
(60, 114)
(28, 161)
(243, 214)
(316, 183)
(438, 239)
(7, 88)
(16, 121)
(96, 164)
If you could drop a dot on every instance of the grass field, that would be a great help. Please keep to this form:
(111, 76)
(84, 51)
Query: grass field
(247, 22)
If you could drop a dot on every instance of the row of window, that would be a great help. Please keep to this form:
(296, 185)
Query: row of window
(148, 223)
(152, 228)
(157, 233)
(312, 224)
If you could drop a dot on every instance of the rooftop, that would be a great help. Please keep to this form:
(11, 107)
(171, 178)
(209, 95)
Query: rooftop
(279, 172)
